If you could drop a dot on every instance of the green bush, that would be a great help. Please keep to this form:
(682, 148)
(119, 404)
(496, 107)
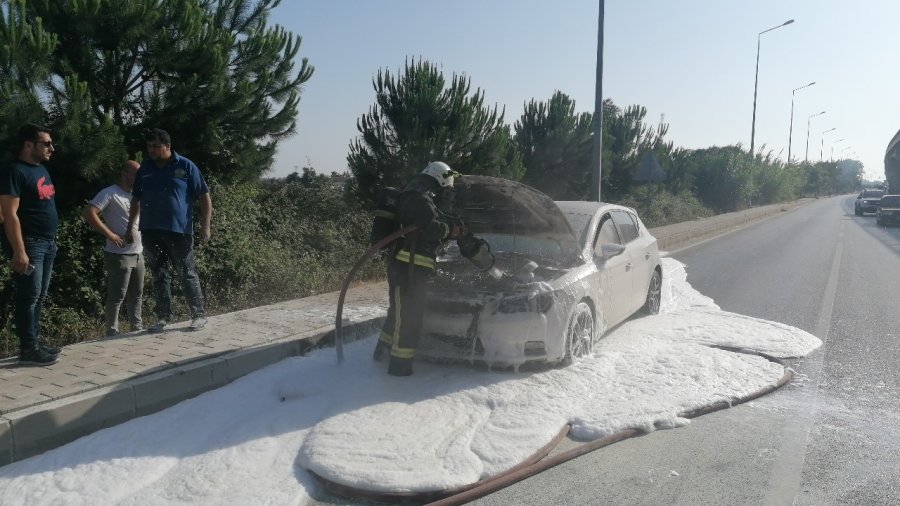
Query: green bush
(657, 207)
(271, 241)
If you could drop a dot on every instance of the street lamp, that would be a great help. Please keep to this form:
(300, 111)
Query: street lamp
(791, 132)
(807, 133)
(832, 147)
(756, 82)
(822, 142)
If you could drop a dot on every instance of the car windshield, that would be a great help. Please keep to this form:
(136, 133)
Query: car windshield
(872, 194)
(578, 222)
(526, 246)
(890, 200)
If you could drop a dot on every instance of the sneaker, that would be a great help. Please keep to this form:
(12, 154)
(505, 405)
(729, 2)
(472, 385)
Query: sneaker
(198, 322)
(37, 356)
(159, 326)
(400, 367)
(52, 350)
(111, 332)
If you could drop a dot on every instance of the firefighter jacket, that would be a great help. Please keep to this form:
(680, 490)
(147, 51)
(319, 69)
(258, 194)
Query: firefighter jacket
(416, 207)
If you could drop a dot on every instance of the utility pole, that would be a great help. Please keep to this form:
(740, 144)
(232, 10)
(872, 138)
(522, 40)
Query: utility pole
(597, 152)
(756, 83)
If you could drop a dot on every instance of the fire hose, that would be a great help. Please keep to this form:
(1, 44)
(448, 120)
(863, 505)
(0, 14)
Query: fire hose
(373, 249)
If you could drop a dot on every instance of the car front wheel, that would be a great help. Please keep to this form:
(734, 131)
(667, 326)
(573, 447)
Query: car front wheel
(654, 294)
(580, 333)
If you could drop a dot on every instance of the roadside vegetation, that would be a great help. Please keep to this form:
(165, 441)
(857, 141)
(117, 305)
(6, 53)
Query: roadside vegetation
(226, 84)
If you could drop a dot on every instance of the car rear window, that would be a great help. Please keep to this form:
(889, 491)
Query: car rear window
(891, 200)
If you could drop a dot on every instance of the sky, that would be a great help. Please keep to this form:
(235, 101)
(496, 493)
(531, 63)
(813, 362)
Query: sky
(447, 426)
(691, 63)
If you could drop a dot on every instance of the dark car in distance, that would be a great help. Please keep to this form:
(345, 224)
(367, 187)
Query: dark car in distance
(888, 210)
(867, 201)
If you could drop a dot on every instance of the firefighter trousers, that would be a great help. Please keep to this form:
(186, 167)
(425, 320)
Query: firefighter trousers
(406, 309)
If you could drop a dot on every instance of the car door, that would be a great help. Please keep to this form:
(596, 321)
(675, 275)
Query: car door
(615, 279)
(638, 268)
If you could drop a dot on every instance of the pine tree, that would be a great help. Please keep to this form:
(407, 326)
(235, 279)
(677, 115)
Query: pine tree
(25, 56)
(211, 72)
(417, 118)
(626, 139)
(555, 144)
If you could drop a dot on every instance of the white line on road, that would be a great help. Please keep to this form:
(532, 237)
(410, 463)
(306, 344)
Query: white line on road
(787, 471)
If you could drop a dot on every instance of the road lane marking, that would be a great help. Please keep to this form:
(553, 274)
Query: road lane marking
(786, 474)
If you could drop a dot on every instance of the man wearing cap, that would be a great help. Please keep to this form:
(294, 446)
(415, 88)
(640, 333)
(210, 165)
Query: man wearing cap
(413, 264)
(124, 261)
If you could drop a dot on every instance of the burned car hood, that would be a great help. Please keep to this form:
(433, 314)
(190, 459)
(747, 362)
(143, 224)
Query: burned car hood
(490, 205)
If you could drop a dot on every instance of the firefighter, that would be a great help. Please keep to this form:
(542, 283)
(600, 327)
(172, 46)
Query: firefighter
(414, 263)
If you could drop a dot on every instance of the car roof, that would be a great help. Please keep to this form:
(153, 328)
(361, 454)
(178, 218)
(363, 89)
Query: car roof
(585, 207)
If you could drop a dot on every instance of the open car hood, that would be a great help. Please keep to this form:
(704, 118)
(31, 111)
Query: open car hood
(490, 205)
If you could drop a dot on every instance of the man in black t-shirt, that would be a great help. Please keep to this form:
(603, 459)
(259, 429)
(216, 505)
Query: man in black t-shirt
(30, 223)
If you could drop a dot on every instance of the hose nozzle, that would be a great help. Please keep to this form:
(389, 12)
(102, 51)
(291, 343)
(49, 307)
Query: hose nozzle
(478, 251)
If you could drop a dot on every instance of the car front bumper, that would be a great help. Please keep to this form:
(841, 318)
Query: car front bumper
(494, 337)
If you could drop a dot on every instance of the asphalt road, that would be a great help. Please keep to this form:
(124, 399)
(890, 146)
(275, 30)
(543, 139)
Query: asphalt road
(832, 436)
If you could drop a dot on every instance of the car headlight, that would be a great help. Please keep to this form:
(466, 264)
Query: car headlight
(540, 302)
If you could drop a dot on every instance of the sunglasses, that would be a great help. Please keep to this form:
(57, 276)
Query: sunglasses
(48, 144)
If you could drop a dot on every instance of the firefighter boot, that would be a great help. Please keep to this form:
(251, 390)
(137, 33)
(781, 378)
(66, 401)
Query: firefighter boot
(400, 367)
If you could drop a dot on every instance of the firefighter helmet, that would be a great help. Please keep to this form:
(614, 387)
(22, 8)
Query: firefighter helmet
(442, 172)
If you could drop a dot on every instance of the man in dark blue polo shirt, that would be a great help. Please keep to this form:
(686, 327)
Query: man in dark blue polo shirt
(30, 222)
(165, 189)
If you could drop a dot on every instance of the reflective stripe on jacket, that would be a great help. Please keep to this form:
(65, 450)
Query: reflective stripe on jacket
(420, 260)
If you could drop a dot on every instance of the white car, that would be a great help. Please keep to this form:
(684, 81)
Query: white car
(571, 270)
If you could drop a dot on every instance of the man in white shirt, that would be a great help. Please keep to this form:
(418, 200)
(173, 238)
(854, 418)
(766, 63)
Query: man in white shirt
(124, 261)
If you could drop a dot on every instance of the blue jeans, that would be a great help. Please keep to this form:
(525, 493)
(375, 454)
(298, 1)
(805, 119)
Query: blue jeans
(162, 248)
(32, 290)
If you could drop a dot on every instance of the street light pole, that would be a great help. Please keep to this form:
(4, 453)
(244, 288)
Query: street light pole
(822, 142)
(791, 132)
(807, 133)
(756, 82)
(832, 148)
(597, 151)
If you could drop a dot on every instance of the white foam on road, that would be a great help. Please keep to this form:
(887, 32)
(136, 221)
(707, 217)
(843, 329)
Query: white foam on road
(445, 426)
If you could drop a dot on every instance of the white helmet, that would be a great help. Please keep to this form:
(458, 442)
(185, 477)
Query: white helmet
(442, 172)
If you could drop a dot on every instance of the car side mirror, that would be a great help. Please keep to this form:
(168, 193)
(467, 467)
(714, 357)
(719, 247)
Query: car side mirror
(608, 251)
